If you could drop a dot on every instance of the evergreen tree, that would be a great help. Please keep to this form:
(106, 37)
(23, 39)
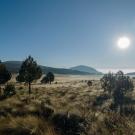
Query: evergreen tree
(50, 77)
(29, 72)
(45, 80)
(5, 75)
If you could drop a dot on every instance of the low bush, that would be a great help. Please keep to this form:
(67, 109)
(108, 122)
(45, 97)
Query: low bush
(89, 83)
(9, 90)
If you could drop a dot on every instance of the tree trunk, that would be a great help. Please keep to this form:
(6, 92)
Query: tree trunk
(121, 109)
(29, 88)
(0, 91)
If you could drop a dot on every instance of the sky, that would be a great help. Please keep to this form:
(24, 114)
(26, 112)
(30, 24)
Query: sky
(66, 33)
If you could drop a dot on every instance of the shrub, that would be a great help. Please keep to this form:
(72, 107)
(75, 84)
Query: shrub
(89, 83)
(9, 90)
(108, 82)
(49, 78)
(123, 85)
(45, 80)
(117, 85)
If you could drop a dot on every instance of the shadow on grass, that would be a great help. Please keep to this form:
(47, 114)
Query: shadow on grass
(129, 100)
(101, 99)
(69, 125)
(2, 98)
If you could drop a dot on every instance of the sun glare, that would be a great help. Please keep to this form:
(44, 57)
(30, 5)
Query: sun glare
(123, 42)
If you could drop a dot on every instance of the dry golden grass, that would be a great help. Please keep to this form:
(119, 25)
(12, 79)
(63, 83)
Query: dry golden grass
(24, 115)
(27, 125)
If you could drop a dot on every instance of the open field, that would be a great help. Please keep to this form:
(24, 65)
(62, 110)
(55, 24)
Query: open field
(69, 107)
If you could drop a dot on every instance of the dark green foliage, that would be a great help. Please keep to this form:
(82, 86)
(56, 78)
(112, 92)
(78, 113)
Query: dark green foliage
(122, 86)
(108, 82)
(9, 90)
(29, 72)
(124, 83)
(20, 78)
(49, 78)
(5, 75)
(89, 83)
(45, 80)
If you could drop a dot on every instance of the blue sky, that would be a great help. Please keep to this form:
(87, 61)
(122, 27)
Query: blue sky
(64, 33)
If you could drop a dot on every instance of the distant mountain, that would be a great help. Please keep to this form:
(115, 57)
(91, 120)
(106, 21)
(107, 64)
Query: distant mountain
(62, 71)
(14, 66)
(87, 69)
(132, 73)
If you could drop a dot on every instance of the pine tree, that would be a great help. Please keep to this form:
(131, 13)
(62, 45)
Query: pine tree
(50, 77)
(29, 72)
(5, 75)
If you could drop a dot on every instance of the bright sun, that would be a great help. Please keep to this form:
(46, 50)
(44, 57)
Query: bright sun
(123, 42)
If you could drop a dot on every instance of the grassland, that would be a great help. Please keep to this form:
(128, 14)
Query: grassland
(68, 107)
